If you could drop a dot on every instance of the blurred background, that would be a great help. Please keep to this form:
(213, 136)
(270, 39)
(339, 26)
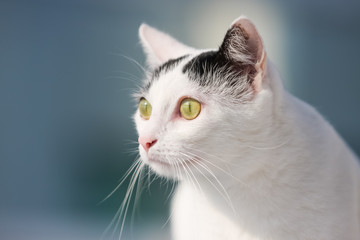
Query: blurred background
(66, 134)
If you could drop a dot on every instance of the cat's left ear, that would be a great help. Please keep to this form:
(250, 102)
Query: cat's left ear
(160, 47)
(243, 44)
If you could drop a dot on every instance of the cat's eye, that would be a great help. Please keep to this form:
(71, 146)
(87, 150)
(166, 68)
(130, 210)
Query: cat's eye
(145, 109)
(190, 108)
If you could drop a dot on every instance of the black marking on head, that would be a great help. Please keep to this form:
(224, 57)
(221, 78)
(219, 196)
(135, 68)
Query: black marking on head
(199, 67)
(215, 68)
(167, 66)
(209, 63)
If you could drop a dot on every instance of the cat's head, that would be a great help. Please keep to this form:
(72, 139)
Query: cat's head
(198, 109)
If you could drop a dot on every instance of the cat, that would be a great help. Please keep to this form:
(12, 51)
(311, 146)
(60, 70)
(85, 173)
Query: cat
(253, 162)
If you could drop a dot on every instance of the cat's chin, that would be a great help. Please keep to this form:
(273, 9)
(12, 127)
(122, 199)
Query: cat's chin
(160, 167)
(163, 170)
(170, 170)
(164, 167)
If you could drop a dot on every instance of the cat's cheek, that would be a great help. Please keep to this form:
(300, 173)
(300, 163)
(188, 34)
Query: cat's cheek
(163, 170)
(160, 169)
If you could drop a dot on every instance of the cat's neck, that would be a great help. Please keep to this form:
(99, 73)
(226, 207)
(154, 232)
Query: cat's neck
(272, 172)
(282, 181)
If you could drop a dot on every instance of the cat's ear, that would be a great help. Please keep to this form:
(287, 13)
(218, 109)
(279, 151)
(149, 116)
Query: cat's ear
(159, 47)
(242, 44)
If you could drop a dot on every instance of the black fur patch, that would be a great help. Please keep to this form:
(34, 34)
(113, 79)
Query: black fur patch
(202, 67)
(167, 66)
(209, 63)
(199, 67)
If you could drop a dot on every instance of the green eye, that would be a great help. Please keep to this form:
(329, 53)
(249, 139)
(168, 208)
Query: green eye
(145, 109)
(190, 108)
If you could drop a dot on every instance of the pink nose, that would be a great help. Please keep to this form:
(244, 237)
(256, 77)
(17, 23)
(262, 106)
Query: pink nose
(147, 143)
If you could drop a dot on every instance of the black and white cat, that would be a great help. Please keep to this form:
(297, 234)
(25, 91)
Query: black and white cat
(253, 162)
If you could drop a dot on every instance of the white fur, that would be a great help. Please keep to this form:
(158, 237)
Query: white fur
(152, 41)
(271, 168)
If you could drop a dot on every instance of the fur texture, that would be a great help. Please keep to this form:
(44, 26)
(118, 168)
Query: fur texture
(257, 163)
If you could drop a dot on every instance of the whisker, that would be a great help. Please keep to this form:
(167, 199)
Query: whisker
(211, 155)
(226, 196)
(176, 166)
(127, 199)
(137, 195)
(184, 163)
(235, 178)
(187, 174)
(269, 148)
(136, 63)
(198, 184)
(129, 141)
(128, 74)
(216, 166)
(116, 219)
(122, 180)
(220, 184)
(133, 81)
(148, 177)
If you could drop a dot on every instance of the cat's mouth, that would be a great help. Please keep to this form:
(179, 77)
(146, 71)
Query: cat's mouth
(172, 167)
(188, 162)
(153, 160)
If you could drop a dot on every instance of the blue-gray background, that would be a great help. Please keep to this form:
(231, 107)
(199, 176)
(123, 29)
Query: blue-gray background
(65, 109)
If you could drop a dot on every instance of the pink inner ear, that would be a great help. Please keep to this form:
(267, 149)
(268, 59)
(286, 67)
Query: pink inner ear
(252, 36)
(256, 47)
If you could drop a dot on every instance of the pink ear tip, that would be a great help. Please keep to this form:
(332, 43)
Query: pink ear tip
(241, 18)
(143, 26)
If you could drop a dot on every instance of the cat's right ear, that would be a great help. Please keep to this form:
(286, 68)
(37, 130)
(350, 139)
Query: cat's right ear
(242, 44)
(160, 47)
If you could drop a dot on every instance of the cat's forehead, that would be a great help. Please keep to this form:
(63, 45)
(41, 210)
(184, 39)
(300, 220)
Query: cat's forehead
(207, 72)
(177, 67)
(170, 81)
(169, 69)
